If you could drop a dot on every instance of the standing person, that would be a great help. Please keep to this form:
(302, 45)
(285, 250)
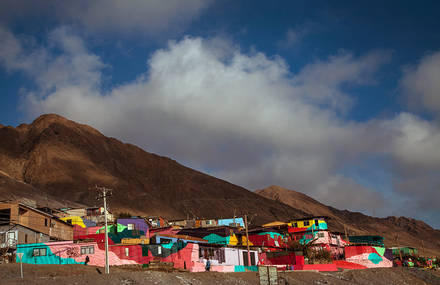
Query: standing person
(87, 260)
(208, 265)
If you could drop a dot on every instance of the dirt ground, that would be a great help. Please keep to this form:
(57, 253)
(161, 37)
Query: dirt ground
(81, 275)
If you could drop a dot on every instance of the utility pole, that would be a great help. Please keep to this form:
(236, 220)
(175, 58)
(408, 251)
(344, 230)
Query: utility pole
(398, 246)
(247, 240)
(105, 193)
(346, 236)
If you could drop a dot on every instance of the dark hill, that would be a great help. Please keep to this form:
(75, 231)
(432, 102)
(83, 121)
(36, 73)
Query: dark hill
(396, 230)
(65, 159)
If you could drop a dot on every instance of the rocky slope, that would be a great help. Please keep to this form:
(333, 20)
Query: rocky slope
(65, 159)
(396, 230)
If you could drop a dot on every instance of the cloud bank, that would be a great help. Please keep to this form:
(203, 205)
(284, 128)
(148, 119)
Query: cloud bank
(244, 117)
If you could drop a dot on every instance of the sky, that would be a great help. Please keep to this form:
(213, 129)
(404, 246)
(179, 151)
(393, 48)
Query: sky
(336, 99)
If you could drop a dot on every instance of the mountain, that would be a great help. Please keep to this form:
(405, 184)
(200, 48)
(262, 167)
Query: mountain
(396, 230)
(56, 157)
(56, 162)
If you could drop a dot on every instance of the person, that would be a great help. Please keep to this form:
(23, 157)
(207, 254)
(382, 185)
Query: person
(208, 265)
(87, 260)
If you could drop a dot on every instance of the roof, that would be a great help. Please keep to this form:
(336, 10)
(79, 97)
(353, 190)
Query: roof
(185, 237)
(310, 218)
(275, 224)
(39, 211)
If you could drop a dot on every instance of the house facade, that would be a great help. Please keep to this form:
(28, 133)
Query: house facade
(30, 224)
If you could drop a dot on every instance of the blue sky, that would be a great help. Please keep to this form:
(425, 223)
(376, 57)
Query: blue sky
(337, 99)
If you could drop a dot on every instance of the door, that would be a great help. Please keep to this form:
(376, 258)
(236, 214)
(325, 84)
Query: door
(245, 258)
(253, 258)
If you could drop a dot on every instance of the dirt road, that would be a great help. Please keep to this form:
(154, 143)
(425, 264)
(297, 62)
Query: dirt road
(81, 275)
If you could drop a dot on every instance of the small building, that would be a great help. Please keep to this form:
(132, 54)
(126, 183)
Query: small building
(157, 222)
(23, 224)
(233, 222)
(18, 216)
(84, 216)
(367, 240)
(307, 224)
(404, 251)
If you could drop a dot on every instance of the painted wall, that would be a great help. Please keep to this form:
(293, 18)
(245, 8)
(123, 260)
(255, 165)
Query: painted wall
(277, 258)
(74, 220)
(369, 256)
(266, 239)
(139, 224)
(227, 222)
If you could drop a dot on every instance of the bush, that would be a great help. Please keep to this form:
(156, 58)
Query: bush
(320, 256)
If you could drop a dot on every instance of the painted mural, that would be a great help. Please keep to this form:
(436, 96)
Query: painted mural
(182, 255)
(369, 256)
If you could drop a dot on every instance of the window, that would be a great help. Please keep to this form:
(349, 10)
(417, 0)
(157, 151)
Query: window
(127, 251)
(316, 223)
(87, 250)
(130, 227)
(306, 223)
(11, 238)
(320, 235)
(39, 252)
(11, 235)
(45, 222)
(295, 225)
(25, 238)
(165, 240)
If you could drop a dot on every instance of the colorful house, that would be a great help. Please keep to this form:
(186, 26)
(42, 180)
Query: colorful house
(309, 224)
(157, 222)
(266, 237)
(136, 224)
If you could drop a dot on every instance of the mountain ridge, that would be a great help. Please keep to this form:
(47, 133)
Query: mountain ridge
(396, 230)
(64, 159)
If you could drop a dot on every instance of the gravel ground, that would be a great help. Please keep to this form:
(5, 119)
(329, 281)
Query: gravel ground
(81, 275)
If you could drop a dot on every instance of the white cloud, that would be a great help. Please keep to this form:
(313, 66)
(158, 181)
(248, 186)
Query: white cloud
(242, 116)
(422, 83)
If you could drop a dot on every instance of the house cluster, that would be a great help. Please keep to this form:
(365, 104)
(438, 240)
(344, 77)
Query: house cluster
(70, 236)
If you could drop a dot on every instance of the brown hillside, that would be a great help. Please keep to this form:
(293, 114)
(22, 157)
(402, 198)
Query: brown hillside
(64, 159)
(408, 231)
